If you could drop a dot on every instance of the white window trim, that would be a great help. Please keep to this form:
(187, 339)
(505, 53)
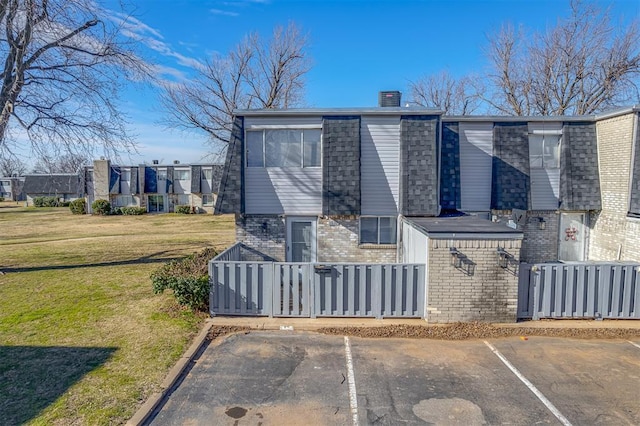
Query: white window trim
(281, 127)
(378, 243)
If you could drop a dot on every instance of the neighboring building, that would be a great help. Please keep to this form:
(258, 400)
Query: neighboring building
(64, 187)
(389, 184)
(11, 188)
(158, 188)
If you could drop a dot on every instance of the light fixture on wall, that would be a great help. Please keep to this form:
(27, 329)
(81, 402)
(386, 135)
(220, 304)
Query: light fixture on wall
(461, 261)
(542, 224)
(455, 257)
(506, 260)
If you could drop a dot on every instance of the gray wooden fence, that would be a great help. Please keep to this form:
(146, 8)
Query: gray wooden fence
(579, 290)
(314, 290)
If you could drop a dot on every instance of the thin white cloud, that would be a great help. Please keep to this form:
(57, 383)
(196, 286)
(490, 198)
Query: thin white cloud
(223, 12)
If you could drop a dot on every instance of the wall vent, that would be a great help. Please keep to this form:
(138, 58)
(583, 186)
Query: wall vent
(389, 99)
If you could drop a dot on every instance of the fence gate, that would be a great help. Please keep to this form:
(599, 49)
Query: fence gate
(579, 290)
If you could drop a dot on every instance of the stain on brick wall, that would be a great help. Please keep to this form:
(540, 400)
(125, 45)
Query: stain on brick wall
(490, 294)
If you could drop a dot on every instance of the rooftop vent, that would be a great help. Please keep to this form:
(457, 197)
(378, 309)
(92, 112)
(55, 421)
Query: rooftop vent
(155, 161)
(176, 161)
(389, 99)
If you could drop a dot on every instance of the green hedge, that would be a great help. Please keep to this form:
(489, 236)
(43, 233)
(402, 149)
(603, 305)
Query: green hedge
(188, 278)
(78, 206)
(101, 207)
(46, 202)
(183, 209)
(133, 211)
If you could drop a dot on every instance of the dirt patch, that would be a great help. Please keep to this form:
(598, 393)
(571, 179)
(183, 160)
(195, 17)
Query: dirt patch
(222, 330)
(477, 330)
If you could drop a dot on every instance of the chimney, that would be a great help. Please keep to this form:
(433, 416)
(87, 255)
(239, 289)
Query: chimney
(155, 161)
(389, 99)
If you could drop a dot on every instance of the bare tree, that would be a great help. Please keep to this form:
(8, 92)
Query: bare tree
(255, 74)
(61, 71)
(581, 66)
(66, 163)
(442, 91)
(12, 166)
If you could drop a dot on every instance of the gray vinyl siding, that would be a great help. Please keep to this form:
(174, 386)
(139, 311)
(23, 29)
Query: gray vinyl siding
(281, 122)
(289, 190)
(476, 151)
(545, 183)
(380, 164)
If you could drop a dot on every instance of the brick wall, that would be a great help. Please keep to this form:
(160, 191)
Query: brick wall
(538, 245)
(611, 231)
(338, 242)
(101, 177)
(490, 294)
(265, 234)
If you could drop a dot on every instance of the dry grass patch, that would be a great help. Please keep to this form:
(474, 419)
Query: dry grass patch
(84, 339)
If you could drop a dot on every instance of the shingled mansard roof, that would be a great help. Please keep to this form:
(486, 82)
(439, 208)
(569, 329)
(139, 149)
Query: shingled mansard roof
(51, 184)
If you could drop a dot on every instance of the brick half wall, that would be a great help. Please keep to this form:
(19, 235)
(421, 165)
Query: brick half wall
(489, 294)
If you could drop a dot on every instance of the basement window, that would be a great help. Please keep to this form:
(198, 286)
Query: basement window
(378, 230)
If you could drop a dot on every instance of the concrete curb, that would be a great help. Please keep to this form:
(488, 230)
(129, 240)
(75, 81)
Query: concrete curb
(170, 380)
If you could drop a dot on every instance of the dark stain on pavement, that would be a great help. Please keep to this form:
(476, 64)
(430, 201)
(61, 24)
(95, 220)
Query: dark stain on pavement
(236, 412)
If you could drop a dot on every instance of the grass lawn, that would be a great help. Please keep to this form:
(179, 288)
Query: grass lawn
(83, 339)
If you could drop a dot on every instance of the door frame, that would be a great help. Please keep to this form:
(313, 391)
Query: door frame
(314, 235)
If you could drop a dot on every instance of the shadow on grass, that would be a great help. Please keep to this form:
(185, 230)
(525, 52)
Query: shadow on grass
(152, 258)
(33, 377)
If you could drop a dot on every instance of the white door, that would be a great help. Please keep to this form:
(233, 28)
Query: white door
(573, 237)
(301, 239)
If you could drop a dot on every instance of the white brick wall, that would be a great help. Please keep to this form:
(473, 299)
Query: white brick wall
(612, 232)
(490, 294)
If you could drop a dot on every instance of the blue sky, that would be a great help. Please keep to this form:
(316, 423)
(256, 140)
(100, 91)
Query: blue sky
(358, 47)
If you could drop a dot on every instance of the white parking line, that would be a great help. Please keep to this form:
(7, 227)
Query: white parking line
(353, 396)
(634, 344)
(530, 385)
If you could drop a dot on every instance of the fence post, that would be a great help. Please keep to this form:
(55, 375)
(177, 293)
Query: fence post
(534, 279)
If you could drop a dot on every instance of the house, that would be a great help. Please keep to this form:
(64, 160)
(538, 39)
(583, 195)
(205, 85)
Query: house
(64, 187)
(11, 188)
(471, 197)
(158, 188)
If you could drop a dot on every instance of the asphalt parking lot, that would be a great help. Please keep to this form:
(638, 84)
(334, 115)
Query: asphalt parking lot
(287, 377)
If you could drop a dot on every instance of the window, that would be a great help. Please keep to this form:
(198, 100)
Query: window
(124, 201)
(125, 175)
(544, 151)
(377, 230)
(162, 175)
(284, 148)
(156, 203)
(207, 174)
(207, 199)
(181, 175)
